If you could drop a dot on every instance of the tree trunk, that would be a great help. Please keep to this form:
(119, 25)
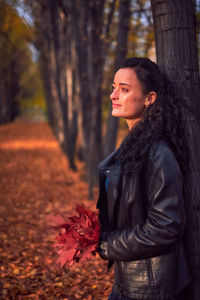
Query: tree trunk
(72, 92)
(174, 25)
(53, 44)
(45, 45)
(122, 39)
(87, 23)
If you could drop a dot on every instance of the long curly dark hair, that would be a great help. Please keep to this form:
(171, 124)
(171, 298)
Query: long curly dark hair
(164, 119)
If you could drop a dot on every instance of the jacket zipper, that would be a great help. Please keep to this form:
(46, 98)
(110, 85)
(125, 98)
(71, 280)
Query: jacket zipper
(149, 270)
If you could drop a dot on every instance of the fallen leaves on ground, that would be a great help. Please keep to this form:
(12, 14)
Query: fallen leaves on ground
(35, 181)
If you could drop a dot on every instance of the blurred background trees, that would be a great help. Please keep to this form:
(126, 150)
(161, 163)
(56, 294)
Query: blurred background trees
(15, 56)
(19, 78)
(79, 45)
(66, 52)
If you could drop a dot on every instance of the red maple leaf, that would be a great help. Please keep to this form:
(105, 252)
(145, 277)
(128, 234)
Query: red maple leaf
(80, 238)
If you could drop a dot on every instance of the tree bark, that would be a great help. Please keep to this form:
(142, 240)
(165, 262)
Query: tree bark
(174, 25)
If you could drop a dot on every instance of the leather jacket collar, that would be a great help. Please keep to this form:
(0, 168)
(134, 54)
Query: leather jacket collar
(111, 169)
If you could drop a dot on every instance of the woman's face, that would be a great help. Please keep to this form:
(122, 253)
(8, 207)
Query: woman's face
(128, 99)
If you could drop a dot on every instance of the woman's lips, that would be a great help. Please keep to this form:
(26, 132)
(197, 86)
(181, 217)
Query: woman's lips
(114, 105)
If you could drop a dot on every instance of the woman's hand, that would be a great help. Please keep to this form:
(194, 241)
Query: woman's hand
(102, 246)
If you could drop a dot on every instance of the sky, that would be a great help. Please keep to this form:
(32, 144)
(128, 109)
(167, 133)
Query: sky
(24, 14)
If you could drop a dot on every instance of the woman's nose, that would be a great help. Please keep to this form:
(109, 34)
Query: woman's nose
(114, 95)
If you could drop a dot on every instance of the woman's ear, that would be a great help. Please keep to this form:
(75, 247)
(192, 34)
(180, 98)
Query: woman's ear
(150, 98)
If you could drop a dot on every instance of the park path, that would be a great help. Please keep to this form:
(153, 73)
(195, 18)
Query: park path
(35, 181)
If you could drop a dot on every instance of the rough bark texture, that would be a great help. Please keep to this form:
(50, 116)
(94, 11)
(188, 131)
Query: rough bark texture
(122, 40)
(174, 23)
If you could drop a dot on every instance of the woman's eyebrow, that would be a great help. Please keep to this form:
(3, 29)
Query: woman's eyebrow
(124, 84)
(121, 83)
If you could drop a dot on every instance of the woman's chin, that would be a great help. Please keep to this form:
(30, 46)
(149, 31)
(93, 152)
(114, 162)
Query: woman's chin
(116, 114)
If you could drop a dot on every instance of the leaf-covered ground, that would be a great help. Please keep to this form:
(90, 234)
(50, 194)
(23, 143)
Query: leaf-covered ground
(35, 181)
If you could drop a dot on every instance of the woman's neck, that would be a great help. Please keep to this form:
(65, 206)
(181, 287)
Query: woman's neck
(132, 122)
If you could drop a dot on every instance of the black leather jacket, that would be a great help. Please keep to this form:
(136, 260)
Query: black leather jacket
(142, 220)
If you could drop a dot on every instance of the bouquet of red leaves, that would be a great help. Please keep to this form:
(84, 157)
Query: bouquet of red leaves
(80, 237)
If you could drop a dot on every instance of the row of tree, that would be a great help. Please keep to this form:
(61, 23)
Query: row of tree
(78, 42)
(80, 45)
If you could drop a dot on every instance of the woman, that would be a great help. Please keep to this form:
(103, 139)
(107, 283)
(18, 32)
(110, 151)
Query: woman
(141, 205)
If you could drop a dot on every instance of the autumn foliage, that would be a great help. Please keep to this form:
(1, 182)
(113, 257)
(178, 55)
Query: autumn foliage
(80, 238)
(35, 181)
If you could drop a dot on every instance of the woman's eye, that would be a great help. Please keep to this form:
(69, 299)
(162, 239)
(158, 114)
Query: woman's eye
(113, 88)
(124, 90)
